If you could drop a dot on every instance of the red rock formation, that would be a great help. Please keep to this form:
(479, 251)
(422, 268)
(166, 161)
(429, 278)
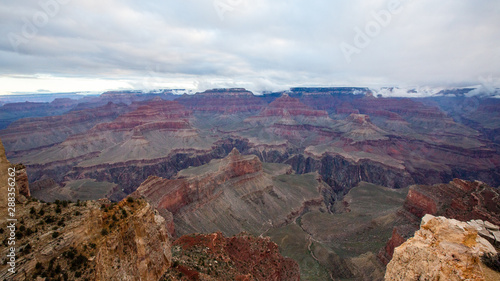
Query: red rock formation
(223, 101)
(155, 114)
(419, 204)
(459, 199)
(231, 195)
(399, 235)
(242, 257)
(174, 194)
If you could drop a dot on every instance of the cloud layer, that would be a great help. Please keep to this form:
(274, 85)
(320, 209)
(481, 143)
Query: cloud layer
(261, 45)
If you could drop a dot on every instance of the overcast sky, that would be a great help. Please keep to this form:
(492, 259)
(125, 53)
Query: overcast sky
(96, 45)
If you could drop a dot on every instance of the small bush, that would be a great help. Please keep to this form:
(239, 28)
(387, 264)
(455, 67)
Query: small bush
(49, 219)
(79, 261)
(70, 254)
(104, 232)
(130, 199)
(29, 231)
(55, 234)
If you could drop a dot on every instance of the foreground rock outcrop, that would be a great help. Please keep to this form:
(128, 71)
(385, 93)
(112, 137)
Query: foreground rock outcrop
(94, 240)
(461, 200)
(443, 249)
(139, 249)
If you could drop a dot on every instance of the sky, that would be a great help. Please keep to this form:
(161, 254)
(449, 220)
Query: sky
(98, 45)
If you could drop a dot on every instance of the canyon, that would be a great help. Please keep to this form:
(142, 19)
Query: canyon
(336, 178)
(345, 134)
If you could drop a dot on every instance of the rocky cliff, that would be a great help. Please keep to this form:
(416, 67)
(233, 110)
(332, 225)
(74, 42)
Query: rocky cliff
(91, 239)
(443, 249)
(139, 248)
(459, 199)
(233, 194)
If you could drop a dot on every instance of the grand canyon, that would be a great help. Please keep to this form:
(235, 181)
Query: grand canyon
(225, 184)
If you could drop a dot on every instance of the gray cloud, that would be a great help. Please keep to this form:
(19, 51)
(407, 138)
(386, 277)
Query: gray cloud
(259, 44)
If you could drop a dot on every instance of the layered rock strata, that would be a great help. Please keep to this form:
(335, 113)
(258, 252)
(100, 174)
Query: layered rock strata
(443, 249)
(231, 195)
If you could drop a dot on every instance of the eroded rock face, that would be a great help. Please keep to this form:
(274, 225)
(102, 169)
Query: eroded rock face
(139, 249)
(173, 195)
(242, 257)
(233, 194)
(459, 199)
(94, 240)
(22, 180)
(443, 249)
